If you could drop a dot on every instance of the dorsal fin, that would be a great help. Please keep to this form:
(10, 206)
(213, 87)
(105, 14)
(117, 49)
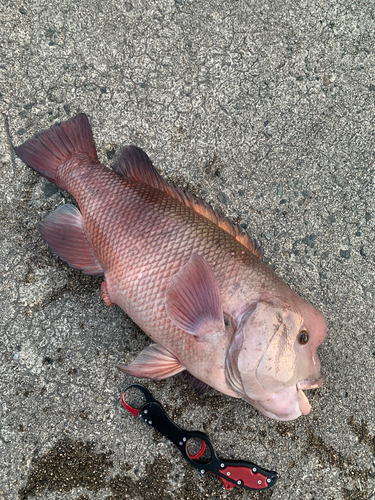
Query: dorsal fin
(133, 162)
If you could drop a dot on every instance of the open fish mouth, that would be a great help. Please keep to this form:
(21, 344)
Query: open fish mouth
(311, 384)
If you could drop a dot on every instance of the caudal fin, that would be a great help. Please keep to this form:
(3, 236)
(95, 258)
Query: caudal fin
(49, 149)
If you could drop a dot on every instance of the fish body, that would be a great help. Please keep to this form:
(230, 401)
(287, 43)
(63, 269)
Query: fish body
(191, 281)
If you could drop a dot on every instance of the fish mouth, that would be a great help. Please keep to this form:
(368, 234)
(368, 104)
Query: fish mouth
(311, 384)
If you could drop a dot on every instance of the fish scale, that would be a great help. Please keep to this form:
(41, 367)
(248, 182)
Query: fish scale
(122, 211)
(177, 268)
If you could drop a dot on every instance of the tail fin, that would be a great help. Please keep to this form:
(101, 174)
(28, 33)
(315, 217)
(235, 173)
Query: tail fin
(46, 151)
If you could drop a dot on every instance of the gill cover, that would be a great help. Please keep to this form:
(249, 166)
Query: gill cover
(265, 355)
(251, 339)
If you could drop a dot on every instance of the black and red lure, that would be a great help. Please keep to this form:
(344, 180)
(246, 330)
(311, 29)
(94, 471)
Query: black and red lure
(197, 449)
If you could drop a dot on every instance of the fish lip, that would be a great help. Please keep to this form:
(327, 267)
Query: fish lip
(311, 384)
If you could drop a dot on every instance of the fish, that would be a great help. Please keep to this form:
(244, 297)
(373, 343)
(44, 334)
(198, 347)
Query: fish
(195, 283)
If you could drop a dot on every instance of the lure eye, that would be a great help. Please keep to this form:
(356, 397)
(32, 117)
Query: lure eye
(303, 337)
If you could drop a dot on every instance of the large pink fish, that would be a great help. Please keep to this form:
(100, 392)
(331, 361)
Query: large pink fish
(190, 279)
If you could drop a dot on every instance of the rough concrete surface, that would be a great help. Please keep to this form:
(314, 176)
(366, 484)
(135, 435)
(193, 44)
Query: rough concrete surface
(265, 109)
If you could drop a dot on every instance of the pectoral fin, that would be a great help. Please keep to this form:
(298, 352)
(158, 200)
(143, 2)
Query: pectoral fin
(154, 362)
(193, 299)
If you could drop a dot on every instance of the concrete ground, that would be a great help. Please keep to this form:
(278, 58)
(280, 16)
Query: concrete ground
(265, 109)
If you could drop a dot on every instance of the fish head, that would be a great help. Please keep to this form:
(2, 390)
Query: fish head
(273, 357)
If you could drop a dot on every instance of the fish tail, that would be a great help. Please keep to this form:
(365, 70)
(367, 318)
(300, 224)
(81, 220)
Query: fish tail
(49, 149)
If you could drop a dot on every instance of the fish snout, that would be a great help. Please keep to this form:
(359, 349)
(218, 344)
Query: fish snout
(311, 384)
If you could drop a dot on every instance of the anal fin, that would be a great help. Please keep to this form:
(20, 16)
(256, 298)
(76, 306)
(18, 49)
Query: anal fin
(63, 230)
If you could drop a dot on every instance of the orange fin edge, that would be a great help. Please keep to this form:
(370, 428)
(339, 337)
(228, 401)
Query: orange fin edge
(133, 162)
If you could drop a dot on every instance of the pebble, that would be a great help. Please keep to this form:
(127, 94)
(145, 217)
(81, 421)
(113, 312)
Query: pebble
(309, 240)
(345, 254)
(223, 198)
(110, 153)
(49, 190)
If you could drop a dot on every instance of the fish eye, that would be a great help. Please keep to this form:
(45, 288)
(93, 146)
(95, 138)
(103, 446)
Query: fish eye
(303, 337)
